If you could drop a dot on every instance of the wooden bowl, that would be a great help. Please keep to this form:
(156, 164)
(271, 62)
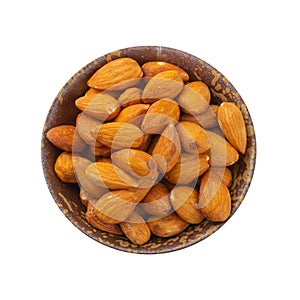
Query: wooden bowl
(63, 111)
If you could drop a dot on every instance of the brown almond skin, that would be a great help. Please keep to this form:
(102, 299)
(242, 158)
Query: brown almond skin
(65, 138)
(135, 162)
(119, 135)
(224, 173)
(207, 119)
(193, 138)
(146, 142)
(214, 198)
(85, 197)
(167, 149)
(64, 169)
(115, 207)
(188, 168)
(184, 200)
(157, 202)
(152, 68)
(100, 106)
(221, 152)
(136, 229)
(80, 164)
(167, 84)
(100, 150)
(133, 114)
(159, 115)
(233, 125)
(84, 127)
(116, 75)
(168, 226)
(107, 175)
(130, 97)
(93, 219)
(194, 98)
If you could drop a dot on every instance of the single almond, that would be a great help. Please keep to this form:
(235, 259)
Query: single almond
(133, 114)
(136, 229)
(188, 168)
(157, 202)
(119, 135)
(167, 84)
(193, 138)
(214, 198)
(115, 206)
(159, 115)
(117, 75)
(207, 119)
(167, 226)
(80, 164)
(93, 219)
(194, 98)
(65, 138)
(135, 162)
(221, 152)
(233, 125)
(130, 96)
(64, 168)
(224, 173)
(184, 200)
(152, 68)
(84, 127)
(167, 149)
(100, 106)
(107, 175)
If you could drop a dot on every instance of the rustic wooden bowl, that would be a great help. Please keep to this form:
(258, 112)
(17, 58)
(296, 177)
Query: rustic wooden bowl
(63, 111)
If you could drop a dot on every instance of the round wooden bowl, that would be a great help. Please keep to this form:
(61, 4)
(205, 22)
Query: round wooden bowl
(63, 111)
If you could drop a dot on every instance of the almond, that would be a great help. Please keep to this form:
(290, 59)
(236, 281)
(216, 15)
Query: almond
(194, 98)
(233, 125)
(85, 197)
(159, 115)
(64, 168)
(146, 142)
(116, 75)
(221, 152)
(106, 175)
(157, 202)
(131, 96)
(193, 138)
(214, 198)
(93, 219)
(115, 207)
(224, 173)
(136, 229)
(84, 127)
(100, 150)
(152, 68)
(80, 164)
(101, 106)
(207, 119)
(188, 168)
(119, 135)
(65, 138)
(167, 226)
(133, 114)
(167, 84)
(136, 162)
(184, 200)
(167, 149)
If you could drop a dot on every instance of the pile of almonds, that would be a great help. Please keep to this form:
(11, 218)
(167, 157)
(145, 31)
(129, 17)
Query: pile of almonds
(149, 151)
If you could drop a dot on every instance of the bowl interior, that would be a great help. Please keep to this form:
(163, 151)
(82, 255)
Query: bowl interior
(63, 111)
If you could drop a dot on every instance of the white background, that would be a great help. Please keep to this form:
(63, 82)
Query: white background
(255, 44)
